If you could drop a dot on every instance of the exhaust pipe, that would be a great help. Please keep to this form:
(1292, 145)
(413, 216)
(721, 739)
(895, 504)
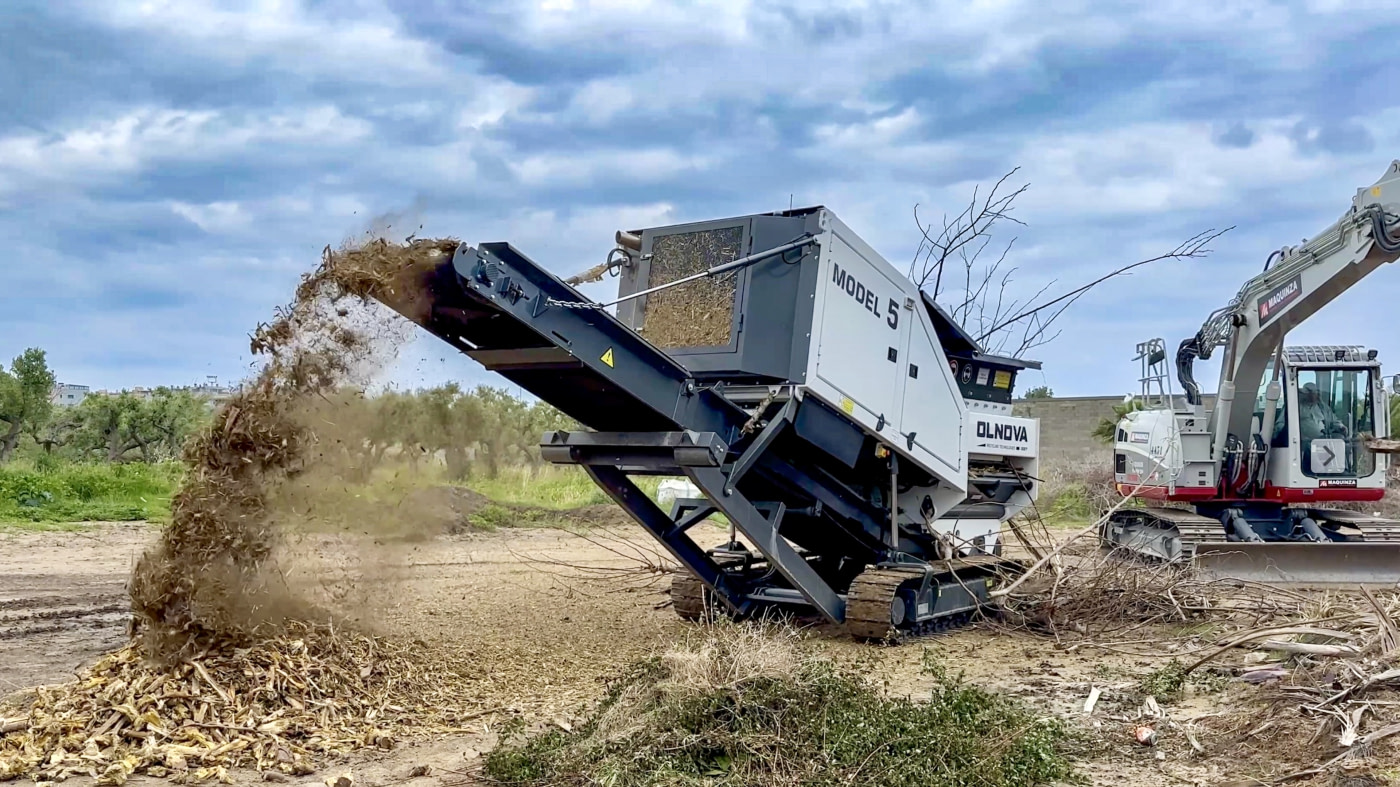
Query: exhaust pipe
(627, 240)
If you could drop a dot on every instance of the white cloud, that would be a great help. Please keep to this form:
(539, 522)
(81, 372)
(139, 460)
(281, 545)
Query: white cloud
(601, 100)
(492, 100)
(142, 138)
(1144, 169)
(364, 45)
(213, 217)
(646, 23)
(895, 102)
(869, 134)
(636, 166)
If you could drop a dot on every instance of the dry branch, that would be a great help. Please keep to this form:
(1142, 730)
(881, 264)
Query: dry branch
(277, 706)
(1307, 647)
(978, 294)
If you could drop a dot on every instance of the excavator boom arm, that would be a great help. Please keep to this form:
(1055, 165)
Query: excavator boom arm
(1298, 281)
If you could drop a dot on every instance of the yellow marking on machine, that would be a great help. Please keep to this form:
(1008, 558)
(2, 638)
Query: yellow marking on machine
(608, 358)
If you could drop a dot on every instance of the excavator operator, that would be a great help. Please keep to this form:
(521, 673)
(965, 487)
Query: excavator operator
(1315, 419)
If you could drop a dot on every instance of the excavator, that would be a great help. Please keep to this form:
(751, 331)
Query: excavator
(1253, 487)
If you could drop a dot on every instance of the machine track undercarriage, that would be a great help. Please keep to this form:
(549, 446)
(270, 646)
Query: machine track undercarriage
(1358, 548)
(882, 602)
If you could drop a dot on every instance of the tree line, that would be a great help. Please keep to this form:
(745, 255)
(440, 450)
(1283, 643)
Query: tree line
(469, 431)
(478, 430)
(117, 428)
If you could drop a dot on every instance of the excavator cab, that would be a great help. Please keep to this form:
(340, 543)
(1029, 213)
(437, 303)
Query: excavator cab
(1318, 449)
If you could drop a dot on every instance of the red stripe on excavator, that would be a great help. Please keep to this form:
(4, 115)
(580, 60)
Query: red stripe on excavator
(1279, 494)
(1160, 492)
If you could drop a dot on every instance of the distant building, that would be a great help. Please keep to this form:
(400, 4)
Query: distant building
(209, 392)
(213, 393)
(68, 394)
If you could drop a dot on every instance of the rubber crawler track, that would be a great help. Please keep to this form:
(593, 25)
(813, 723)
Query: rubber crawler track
(868, 608)
(867, 605)
(869, 600)
(688, 596)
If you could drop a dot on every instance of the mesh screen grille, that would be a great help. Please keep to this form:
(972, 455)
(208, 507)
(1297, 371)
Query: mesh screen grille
(698, 313)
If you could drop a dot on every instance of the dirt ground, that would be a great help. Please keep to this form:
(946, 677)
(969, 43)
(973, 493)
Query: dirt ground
(543, 616)
(63, 600)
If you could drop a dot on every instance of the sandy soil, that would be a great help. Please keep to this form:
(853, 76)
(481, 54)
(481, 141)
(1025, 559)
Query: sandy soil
(543, 616)
(62, 599)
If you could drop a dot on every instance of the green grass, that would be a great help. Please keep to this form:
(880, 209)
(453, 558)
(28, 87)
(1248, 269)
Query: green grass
(45, 494)
(548, 486)
(529, 495)
(736, 711)
(1168, 683)
(40, 494)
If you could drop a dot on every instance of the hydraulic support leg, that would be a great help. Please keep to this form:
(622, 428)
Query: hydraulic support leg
(671, 534)
(763, 532)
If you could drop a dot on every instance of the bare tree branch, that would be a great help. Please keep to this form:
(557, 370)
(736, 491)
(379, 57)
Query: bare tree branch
(1196, 246)
(986, 304)
(975, 221)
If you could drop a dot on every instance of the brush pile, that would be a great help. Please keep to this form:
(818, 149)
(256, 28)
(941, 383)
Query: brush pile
(745, 706)
(1329, 661)
(230, 667)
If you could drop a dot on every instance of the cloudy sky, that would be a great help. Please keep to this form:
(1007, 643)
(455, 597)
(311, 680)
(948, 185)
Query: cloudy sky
(168, 168)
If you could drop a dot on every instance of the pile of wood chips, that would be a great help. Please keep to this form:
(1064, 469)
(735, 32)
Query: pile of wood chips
(222, 677)
(281, 705)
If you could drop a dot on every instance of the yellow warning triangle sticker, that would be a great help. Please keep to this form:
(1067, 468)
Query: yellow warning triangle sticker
(608, 358)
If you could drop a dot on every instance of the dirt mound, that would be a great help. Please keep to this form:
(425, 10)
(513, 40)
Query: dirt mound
(210, 579)
(450, 507)
(275, 706)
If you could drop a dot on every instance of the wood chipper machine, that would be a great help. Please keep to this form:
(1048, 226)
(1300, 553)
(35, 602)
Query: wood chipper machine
(860, 441)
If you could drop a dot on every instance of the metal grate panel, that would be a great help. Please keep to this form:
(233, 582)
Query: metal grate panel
(699, 313)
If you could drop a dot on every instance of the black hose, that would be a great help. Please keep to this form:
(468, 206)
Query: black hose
(1186, 355)
(1269, 263)
(1382, 236)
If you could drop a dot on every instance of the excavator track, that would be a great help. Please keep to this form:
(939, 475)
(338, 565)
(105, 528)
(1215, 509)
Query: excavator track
(1167, 534)
(1368, 552)
(1369, 528)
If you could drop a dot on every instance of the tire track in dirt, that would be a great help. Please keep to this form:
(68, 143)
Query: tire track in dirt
(44, 636)
(63, 600)
(40, 618)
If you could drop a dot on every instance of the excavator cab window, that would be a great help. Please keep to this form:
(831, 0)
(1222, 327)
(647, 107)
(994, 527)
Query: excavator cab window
(1335, 408)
